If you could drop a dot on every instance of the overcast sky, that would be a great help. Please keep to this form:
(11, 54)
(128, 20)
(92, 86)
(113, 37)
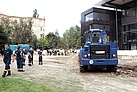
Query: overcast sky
(59, 14)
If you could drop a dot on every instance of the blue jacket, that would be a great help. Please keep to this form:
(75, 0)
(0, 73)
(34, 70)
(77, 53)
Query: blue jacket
(18, 54)
(7, 54)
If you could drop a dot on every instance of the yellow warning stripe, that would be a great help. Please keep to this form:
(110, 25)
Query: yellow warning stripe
(20, 69)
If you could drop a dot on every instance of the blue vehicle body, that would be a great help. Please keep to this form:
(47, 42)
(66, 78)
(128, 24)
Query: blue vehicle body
(13, 47)
(23, 46)
(98, 52)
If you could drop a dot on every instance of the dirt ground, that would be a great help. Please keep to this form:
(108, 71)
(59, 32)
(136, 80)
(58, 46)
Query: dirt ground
(63, 72)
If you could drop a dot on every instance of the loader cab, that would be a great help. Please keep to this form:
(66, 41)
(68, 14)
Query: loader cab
(95, 36)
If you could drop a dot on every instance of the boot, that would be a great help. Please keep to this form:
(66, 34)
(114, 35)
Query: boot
(32, 62)
(21, 70)
(4, 73)
(29, 65)
(18, 69)
(24, 65)
(9, 73)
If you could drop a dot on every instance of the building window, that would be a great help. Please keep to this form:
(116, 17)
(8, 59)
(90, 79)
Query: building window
(132, 36)
(89, 17)
(126, 28)
(129, 12)
(97, 16)
(125, 37)
(41, 29)
(123, 12)
(133, 26)
(101, 16)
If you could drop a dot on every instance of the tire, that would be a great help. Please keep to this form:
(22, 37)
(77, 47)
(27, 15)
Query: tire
(83, 69)
(112, 68)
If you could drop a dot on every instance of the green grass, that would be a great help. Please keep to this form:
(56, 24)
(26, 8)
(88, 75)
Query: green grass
(18, 85)
(64, 85)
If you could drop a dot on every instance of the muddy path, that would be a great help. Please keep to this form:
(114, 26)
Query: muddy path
(63, 73)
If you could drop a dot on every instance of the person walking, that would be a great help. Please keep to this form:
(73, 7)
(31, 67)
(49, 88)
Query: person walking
(40, 57)
(18, 53)
(6, 55)
(23, 57)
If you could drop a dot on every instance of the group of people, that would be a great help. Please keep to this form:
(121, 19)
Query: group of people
(60, 52)
(8, 56)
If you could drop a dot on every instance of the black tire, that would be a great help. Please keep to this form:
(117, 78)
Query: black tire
(83, 69)
(112, 68)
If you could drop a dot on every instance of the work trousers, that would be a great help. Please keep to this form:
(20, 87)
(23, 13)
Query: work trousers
(20, 64)
(40, 60)
(7, 63)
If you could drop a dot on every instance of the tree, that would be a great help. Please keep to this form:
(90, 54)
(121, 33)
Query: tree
(72, 38)
(33, 42)
(17, 32)
(43, 42)
(3, 38)
(52, 39)
(5, 24)
(22, 31)
(78, 37)
(58, 40)
(35, 13)
(65, 40)
(57, 33)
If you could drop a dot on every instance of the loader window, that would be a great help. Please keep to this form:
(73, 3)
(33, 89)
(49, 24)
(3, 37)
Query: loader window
(95, 39)
(88, 40)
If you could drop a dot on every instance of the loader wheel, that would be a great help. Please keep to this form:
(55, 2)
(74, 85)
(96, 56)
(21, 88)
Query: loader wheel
(112, 68)
(83, 69)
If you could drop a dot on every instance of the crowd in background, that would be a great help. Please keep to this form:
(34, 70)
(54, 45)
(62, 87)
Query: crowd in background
(58, 52)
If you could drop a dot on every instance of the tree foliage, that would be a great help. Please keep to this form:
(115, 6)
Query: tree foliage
(3, 37)
(6, 27)
(72, 38)
(43, 42)
(35, 13)
(18, 32)
(33, 41)
(22, 31)
(52, 39)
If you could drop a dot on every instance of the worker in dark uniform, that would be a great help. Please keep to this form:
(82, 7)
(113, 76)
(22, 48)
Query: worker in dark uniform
(18, 53)
(40, 57)
(31, 52)
(29, 59)
(23, 57)
(7, 54)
